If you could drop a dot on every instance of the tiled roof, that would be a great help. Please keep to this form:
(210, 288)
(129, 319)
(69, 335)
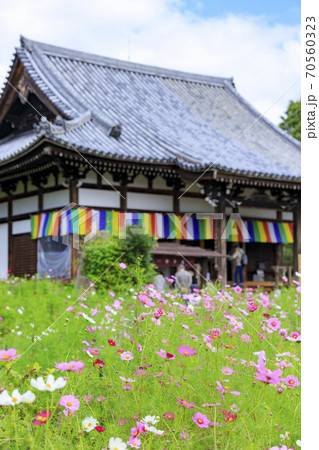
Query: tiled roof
(165, 116)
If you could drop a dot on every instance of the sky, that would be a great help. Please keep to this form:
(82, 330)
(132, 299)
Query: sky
(255, 42)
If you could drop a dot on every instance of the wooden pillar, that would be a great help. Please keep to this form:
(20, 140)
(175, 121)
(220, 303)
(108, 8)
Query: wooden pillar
(10, 243)
(123, 196)
(297, 235)
(222, 240)
(176, 209)
(279, 260)
(74, 198)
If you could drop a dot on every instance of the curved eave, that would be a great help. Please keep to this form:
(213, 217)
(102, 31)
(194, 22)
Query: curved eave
(208, 168)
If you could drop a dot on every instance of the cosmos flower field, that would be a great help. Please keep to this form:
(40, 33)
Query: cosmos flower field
(217, 369)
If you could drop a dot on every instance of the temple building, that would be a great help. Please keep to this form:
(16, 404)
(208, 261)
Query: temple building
(89, 143)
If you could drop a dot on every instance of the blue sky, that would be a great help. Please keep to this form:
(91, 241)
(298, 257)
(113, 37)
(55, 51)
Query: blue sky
(283, 11)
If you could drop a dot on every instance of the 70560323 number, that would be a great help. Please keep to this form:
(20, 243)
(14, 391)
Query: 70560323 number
(310, 46)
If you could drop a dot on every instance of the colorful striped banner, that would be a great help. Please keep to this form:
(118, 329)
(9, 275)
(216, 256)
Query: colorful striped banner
(162, 226)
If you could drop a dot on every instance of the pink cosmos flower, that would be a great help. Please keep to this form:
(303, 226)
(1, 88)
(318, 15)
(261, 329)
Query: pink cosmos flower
(127, 380)
(184, 436)
(122, 265)
(93, 351)
(282, 332)
(227, 370)
(274, 323)
(74, 366)
(245, 338)
(267, 376)
(70, 402)
(165, 355)
(292, 381)
(158, 375)
(134, 442)
(41, 419)
(294, 336)
(224, 389)
(237, 289)
(127, 387)
(127, 356)
(8, 355)
(186, 350)
(283, 364)
(201, 420)
(185, 403)
(88, 398)
(101, 399)
(139, 347)
(70, 308)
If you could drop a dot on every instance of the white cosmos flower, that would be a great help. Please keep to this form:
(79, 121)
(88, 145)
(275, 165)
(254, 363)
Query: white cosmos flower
(153, 430)
(117, 444)
(88, 424)
(88, 318)
(50, 385)
(16, 398)
(149, 420)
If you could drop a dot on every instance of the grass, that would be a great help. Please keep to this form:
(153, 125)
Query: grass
(36, 323)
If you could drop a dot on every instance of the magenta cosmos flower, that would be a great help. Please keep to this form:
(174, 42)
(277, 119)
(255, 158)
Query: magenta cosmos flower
(8, 355)
(165, 355)
(186, 403)
(70, 402)
(274, 323)
(224, 389)
(122, 265)
(186, 350)
(41, 419)
(127, 356)
(201, 420)
(170, 416)
(74, 366)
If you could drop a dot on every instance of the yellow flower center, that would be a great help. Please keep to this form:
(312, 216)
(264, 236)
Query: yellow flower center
(5, 357)
(127, 357)
(89, 425)
(291, 381)
(14, 399)
(85, 427)
(69, 404)
(186, 353)
(43, 419)
(199, 421)
(48, 385)
(70, 367)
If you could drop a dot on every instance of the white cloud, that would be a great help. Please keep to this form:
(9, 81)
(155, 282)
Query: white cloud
(262, 58)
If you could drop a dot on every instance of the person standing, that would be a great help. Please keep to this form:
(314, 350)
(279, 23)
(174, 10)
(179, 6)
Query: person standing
(183, 279)
(239, 270)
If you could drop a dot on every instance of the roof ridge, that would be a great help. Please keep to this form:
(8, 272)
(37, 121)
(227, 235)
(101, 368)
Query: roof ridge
(261, 116)
(115, 63)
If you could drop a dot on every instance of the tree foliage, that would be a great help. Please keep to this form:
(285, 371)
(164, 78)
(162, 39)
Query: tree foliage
(291, 122)
(102, 255)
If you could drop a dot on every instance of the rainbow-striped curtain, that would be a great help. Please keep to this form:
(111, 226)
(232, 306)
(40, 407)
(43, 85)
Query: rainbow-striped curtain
(163, 226)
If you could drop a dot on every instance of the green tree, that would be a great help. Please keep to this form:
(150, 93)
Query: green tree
(291, 122)
(100, 254)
